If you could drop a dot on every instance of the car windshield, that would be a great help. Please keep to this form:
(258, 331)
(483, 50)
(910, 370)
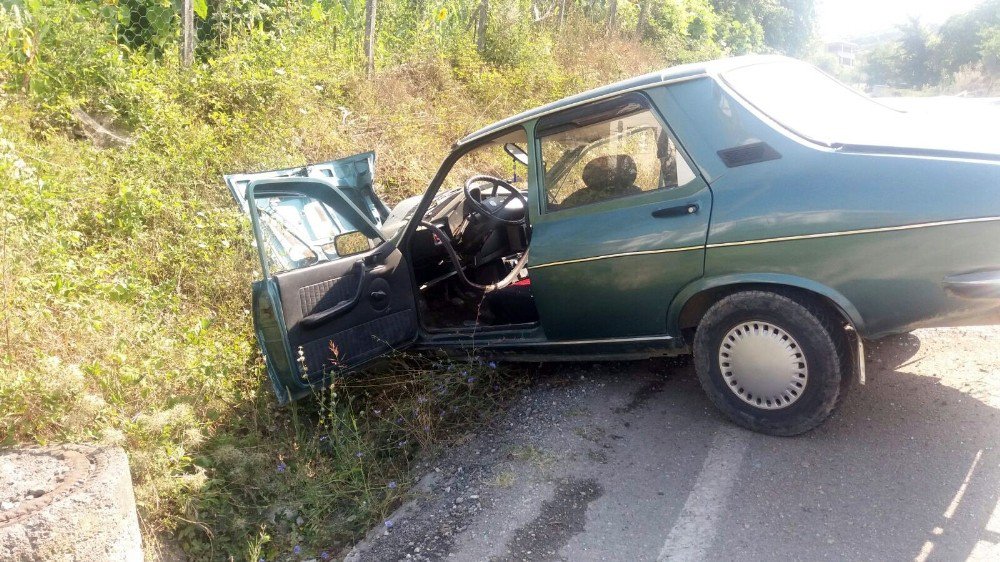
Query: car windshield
(808, 102)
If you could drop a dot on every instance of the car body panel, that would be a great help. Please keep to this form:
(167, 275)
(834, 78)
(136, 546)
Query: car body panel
(865, 226)
(896, 235)
(604, 270)
(600, 271)
(314, 321)
(354, 175)
(774, 281)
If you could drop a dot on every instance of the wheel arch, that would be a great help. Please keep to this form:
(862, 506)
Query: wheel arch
(692, 302)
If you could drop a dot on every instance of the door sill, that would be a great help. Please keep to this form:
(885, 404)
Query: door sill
(531, 345)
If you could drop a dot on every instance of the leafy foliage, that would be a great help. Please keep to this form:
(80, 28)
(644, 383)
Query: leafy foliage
(989, 48)
(963, 44)
(962, 36)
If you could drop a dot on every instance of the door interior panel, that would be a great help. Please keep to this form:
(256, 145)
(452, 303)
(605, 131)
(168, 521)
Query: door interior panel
(383, 318)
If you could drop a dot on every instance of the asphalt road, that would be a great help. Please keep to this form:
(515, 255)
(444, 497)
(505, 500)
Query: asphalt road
(629, 461)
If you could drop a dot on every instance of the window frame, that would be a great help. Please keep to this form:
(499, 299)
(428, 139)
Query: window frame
(311, 241)
(597, 112)
(317, 189)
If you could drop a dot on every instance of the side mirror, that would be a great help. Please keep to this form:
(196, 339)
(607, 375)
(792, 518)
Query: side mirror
(350, 243)
(516, 152)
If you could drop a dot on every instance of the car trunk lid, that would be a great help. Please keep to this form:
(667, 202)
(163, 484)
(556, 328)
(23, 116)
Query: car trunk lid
(942, 126)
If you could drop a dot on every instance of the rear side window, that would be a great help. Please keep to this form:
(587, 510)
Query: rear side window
(607, 150)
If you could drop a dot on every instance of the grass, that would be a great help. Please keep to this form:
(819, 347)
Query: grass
(533, 455)
(505, 479)
(125, 272)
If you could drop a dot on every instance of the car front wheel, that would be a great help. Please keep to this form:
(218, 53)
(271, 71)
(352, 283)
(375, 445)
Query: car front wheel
(770, 363)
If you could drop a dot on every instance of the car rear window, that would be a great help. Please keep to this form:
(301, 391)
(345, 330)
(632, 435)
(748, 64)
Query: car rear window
(808, 102)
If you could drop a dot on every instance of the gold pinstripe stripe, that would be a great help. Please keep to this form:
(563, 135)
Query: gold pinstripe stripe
(621, 255)
(851, 232)
(770, 240)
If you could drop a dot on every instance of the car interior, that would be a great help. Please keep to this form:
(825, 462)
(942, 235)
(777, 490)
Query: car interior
(470, 250)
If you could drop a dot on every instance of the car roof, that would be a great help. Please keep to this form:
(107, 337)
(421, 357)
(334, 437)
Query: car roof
(674, 73)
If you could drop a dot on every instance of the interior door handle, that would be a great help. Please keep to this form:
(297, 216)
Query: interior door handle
(341, 307)
(676, 211)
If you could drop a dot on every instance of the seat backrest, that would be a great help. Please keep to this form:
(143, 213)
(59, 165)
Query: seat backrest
(610, 173)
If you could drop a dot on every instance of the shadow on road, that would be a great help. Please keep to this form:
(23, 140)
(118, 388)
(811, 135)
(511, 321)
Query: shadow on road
(907, 469)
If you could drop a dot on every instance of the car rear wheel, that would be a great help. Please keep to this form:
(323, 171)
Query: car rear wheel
(770, 363)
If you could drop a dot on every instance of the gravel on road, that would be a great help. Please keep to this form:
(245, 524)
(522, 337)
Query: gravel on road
(629, 461)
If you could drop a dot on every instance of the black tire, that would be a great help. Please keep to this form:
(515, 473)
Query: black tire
(821, 338)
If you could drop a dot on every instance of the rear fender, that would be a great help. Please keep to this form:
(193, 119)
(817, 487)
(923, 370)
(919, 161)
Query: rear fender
(774, 279)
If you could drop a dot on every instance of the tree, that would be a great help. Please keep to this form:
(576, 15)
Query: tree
(790, 26)
(482, 20)
(785, 26)
(880, 64)
(640, 24)
(370, 7)
(989, 49)
(962, 36)
(915, 55)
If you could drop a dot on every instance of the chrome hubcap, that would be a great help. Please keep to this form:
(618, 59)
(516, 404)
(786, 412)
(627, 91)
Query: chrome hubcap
(763, 365)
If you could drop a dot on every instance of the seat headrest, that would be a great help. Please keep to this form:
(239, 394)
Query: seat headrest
(610, 172)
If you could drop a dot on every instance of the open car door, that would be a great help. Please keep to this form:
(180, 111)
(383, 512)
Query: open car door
(334, 292)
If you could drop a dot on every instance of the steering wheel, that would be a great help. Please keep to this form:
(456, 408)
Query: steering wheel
(490, 208)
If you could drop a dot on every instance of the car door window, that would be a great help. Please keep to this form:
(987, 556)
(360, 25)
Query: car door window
(626, 151)
(300, 231)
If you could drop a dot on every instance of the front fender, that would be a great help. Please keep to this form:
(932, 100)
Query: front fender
(776, 279)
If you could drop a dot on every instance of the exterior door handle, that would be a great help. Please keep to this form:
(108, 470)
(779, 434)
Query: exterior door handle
(676, 211)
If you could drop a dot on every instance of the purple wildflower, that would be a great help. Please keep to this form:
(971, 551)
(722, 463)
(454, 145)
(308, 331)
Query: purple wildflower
(359, 454)
(392, 485)
(297, 549)
(282, 467)
(492, 365)
(324, 555)
(421, 399)
(388, 523)
(471, 380)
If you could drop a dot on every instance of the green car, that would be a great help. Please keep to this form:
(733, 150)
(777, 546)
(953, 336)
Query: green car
(751, 211)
